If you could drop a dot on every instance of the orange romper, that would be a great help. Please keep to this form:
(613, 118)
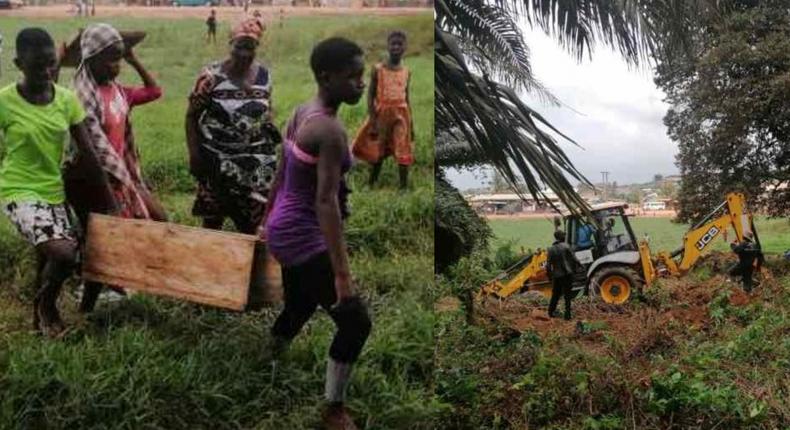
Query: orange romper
(393, 136)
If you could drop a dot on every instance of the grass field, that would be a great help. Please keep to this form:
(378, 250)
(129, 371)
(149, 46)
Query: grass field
(663, 233)
(153, 363)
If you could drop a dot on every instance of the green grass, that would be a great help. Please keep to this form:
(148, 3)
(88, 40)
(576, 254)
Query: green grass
(155, 363)
(664, 235)
(159, 126)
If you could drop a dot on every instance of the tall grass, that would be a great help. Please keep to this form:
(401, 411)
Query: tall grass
(155, 363)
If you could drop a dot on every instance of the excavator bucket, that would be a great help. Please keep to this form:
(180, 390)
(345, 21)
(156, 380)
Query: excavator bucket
(529, 272)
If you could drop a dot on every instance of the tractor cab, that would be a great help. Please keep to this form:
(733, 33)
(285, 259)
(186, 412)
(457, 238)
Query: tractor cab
(605, 241)
(608, 233)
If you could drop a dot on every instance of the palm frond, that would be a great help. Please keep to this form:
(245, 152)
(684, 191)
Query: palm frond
(482, 62)
(579, 25)
(498, 126)
(492, 42)
(453, 152)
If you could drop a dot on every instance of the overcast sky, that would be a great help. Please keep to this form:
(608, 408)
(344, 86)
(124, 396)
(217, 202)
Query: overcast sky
(614, 113)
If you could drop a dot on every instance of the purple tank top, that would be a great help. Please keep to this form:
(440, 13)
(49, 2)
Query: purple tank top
(293, 234)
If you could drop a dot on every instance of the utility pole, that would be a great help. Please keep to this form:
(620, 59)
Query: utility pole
(605, 179)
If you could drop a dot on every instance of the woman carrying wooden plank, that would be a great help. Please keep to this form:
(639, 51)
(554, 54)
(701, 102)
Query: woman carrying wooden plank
(108, 106)
(304, 228)
(36, 118)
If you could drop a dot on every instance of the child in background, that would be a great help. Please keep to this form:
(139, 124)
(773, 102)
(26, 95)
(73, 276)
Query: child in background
(108, 107)
(211, 23)
(389, 129)
(36, 118)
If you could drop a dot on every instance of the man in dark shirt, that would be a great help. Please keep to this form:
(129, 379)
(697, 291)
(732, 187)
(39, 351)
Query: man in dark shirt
(561, 266)
(747, 251)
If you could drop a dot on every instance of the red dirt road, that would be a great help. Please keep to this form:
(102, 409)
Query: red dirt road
(224, 13)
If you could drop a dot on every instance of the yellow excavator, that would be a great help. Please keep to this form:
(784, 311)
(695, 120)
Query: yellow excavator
(614, 265)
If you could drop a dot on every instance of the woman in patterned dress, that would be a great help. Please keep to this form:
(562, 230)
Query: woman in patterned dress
(231, 137)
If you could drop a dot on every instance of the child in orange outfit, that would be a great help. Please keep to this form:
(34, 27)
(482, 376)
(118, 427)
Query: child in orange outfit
(389, 129)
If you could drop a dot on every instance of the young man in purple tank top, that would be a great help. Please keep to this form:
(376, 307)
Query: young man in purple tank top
(304, 227)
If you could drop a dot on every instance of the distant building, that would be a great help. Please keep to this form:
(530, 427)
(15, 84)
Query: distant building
(658, 204)
(654, 206)
(672, 179)
(512, 203)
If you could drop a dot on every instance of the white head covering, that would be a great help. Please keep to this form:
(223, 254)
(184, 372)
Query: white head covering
(96, 38)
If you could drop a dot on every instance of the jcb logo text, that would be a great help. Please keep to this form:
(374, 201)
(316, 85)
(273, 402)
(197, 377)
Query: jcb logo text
(705, 239)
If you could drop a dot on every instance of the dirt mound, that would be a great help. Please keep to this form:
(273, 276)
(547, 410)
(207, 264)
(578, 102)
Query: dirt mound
(779, 267)
(717, 262)
(653, 341)
(637, 329)
(739, 298)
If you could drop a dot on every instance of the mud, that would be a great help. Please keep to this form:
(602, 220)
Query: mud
(639, 328)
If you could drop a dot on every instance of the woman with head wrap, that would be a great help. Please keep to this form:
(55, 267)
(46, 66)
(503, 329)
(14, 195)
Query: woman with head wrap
(230, 135)
(108, 105)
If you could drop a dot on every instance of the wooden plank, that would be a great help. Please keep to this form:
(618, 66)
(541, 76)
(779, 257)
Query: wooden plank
(266, 283)
(188, 263)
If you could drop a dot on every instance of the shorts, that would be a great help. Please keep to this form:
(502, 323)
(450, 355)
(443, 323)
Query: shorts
(40, 222)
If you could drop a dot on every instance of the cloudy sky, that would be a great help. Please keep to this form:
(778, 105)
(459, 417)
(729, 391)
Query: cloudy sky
(614, 113)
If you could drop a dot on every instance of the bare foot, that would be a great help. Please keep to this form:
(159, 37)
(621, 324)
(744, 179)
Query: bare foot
(49, 322)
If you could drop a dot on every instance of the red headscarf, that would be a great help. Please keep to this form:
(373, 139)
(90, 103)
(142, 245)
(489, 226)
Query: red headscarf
(250, 27)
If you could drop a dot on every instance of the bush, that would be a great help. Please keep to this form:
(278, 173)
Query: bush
(505, 255)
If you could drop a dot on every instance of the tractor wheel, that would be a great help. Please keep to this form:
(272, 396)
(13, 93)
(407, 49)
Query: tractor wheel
(616, 284)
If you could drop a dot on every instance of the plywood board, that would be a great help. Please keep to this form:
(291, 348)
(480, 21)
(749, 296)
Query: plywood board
(266, 284)
(188, 263)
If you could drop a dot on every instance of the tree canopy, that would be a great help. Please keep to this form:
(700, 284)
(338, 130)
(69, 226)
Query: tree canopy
(729, 110)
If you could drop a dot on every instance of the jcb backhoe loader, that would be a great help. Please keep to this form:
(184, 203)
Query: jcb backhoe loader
(616, 265)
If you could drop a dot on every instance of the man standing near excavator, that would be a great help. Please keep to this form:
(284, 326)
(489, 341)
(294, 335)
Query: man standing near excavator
(561, 265)
(747, 251)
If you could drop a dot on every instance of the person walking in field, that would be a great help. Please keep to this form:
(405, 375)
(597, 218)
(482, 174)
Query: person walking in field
(108, 106)
(231, 137)
(37, 117)
(561, 266)
(389, 128)
(304, 227)
(211, 27)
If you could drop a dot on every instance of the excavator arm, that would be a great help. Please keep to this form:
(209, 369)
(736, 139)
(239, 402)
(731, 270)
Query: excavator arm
(530, 271)
(699, 238)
